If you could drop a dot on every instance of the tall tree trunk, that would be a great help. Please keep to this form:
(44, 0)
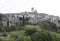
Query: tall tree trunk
(23, 21)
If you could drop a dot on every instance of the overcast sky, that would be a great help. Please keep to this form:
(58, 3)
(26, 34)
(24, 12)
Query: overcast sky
(51, 7)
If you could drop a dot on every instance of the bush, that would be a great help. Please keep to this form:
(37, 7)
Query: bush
(24, 38)
(29, 31)
(13, 35)
(41, 36)
(5, 34)
(6, 28)
(20, 38)
(12, 27)
(1, 39)
(27, 38)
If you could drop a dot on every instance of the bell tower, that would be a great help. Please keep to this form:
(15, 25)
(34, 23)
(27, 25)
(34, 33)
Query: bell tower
(32, 9)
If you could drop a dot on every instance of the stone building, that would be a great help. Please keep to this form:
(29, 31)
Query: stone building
(34, 17)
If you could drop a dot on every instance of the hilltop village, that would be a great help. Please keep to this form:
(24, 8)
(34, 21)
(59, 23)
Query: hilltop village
(34, 17)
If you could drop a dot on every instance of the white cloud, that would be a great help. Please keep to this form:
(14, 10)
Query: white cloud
(46, 6)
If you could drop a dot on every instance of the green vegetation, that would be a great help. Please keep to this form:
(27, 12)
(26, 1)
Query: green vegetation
(42, 31)
(31, 33)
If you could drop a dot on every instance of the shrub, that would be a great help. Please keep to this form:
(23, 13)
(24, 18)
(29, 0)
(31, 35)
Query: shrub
(27, 38)
(12, 27)
(29, 31)
(41, 36)
(5, 34)
(13, 35)
(20, 38)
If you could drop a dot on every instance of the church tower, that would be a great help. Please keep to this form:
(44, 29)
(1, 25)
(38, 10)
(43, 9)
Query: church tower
(32, 9)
